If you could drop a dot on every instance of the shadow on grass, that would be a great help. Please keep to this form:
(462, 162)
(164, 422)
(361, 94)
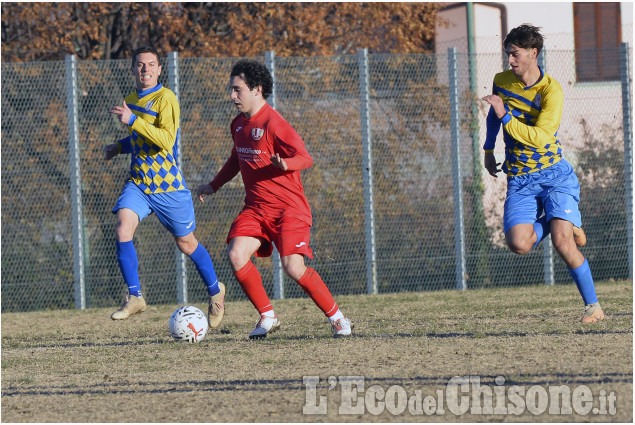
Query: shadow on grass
(266, 385)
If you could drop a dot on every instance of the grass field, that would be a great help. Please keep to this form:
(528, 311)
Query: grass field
(79, 366)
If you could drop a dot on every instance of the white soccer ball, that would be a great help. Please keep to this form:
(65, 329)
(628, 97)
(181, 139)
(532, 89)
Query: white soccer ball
(188, 324)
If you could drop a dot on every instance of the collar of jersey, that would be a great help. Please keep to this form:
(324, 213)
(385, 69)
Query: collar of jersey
(260, 111)
(542, 76)
(142, 93)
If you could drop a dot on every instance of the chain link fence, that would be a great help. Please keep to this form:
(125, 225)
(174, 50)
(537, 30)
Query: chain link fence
(413, 149)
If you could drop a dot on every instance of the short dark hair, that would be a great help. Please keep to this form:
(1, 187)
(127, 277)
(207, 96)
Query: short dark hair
(525, 36)
(254, 74)
(145, 49)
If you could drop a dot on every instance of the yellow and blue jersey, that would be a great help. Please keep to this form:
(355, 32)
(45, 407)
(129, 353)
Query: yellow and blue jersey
(154, 140)
(530, 127)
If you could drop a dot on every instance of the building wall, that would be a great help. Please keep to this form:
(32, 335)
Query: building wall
(555, 19)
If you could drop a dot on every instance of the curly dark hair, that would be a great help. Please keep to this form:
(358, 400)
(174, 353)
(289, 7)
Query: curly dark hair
(525, 36)
(254, 74)
(145, 49)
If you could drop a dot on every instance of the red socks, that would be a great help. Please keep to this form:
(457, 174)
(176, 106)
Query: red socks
(314, 286)
(311, 282)
(251, 282)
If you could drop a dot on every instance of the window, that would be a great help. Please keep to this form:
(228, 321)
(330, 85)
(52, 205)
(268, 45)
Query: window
(598, 34)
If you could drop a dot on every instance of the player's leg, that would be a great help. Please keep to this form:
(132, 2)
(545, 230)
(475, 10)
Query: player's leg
(541, 229)
(247, 237)
(175, 211)
(562, 238)
(292, 240)
(561, 207)
(131, 208)
(127, 222)
(578, 266)
(190, 246)
(313, 285)
(523, 223)
(240, 251)
(521, 238)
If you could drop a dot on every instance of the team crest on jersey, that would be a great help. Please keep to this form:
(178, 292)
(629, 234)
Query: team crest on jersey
(149, 105)
(257, 133)
(537, 101)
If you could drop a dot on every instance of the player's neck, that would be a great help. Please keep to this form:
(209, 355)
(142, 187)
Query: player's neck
(255, 109)
(530, 77)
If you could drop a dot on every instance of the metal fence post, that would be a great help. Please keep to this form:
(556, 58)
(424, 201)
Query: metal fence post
(79, 281)
(278, 275)
(455, 123)
(367, 171)
(628, 148)
(547, 261)
(181, 264)
(547, 246)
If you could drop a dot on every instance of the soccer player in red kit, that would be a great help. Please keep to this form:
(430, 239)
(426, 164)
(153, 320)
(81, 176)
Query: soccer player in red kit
(269, 154)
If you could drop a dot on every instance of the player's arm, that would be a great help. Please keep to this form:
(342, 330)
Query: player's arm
(493, 125)
(290, 153)
(163, 134)
(543, 132)
(226, 173)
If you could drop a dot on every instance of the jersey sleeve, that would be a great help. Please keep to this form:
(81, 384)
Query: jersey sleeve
(125, 145)
(290, 146)
(493, 125)
(227, 172)
(547, 123)
(163, 134)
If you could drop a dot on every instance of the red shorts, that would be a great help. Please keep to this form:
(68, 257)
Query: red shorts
(290, 235)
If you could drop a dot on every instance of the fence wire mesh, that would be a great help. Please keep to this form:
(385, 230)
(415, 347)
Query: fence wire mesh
(412, 175)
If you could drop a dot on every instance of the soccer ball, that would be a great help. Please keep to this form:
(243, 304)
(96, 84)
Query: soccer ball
(188, 324)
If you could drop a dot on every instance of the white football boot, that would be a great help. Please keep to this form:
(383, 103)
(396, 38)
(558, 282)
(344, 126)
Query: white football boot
(342, 327)
(265, 326)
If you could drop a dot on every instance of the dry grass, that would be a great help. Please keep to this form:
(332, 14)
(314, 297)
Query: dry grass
(79, 366)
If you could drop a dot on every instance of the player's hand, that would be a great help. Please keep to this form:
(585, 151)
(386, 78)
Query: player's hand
(489, 161)
(111, 151)
(497, 104)
(279, 162)
(122, 112)
(204, 190)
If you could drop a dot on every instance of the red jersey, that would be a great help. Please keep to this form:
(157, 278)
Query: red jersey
(273, 192)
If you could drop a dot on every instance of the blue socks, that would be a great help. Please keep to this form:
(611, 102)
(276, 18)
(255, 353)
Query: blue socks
(129, 264)
(542, 229)
(584, 281)
(205, 268)
(581, 275)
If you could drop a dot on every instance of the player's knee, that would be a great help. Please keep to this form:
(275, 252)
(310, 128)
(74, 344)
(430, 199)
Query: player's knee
(519, 247)
(293, 266)
(187, 245)
(237, 258)
(295, 271)
(564, 246)
(124, 232)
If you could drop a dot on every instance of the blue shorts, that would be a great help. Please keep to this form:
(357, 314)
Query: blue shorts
(174, 210)
(554, 190)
